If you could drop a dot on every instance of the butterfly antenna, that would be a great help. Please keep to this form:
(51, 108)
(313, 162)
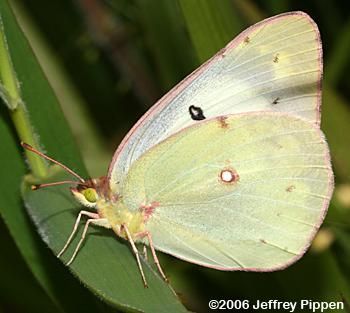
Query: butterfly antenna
(32, 149)
(38, 186)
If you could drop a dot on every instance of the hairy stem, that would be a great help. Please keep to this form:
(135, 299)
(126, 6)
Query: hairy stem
(11, 96)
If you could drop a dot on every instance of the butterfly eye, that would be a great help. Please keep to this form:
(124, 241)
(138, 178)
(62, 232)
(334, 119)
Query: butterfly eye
(90, 194)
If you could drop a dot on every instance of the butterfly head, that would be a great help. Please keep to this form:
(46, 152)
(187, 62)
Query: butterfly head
(89, 192)
(87, 196)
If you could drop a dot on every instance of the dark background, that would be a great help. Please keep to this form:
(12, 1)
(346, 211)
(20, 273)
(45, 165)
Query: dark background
(109, 61)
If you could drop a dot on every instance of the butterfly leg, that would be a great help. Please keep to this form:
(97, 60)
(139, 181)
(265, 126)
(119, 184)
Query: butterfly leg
(87, 213)
(155, 258)
(136, 252)
(96, 221)
(145, 252)
(153, 251)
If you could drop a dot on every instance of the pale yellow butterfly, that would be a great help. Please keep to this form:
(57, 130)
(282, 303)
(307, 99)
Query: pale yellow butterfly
(230, 169)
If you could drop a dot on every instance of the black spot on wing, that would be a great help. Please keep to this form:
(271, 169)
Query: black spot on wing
(276, 58)
(276, 100)
(196, 113)
(290, 188)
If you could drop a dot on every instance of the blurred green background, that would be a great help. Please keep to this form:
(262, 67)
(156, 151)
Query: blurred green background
(108, 62)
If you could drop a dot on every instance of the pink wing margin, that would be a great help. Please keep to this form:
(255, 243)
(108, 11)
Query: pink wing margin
(168, 97)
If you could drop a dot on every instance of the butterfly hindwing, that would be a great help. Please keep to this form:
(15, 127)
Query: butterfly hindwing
(244, 192)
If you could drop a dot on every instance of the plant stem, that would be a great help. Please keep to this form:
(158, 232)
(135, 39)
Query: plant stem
(12, 97)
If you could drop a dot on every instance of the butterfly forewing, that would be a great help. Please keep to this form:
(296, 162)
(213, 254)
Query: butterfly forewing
(275, 65)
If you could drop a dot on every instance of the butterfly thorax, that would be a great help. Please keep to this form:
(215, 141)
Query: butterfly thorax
(118, 214)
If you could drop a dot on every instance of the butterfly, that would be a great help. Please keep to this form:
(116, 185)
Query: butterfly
(230, 169)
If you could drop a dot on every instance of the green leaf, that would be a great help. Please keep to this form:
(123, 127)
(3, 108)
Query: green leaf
(49, 273)
(105, 265)
(62, 288)
(211, 25)
(14, 270)
(335, 123)
(162, 24)
(338, 58)
(89, 140)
